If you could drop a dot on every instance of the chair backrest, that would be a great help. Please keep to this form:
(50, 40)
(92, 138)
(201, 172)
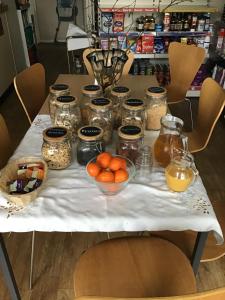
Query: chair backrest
(184, 62)
(126, 67)
(30, 89)
(5, 143)
(211, 104)
(217, 294)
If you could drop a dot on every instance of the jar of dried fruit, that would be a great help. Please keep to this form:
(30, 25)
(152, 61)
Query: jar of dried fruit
(133, 113)
(55, 91)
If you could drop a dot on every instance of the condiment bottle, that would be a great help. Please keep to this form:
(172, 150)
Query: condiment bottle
(68, 114)
(169, 138)
(181, 171)
(90, 143)
(55, 91)
(100, 115)
(129, 142)
(118, 95)
(89, 92)
(156, 107)
(133, 113)
(56, 148)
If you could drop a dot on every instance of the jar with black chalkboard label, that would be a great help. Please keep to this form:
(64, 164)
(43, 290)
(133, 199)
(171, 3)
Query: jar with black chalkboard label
(133, 113)
(90, 143)
(89, 92)
(56, 148)
(100, 115)
(55, 91)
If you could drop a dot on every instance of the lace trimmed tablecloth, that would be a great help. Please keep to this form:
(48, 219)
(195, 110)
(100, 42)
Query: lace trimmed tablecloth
(70, 202)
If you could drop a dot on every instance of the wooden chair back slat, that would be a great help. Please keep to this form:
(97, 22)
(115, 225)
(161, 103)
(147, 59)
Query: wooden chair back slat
(5, 143)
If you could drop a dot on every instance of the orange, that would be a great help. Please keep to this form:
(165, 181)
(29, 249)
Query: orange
(121, 175)
(123, 163)
(105, 176)
(116, 163)
(93, 169)
(103, 159)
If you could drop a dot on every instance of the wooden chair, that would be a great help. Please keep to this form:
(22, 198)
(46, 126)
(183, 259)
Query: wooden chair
(126, 67)
(30, 88)
(133, 267)
(211, 104)
(184, 62)
(5, 143)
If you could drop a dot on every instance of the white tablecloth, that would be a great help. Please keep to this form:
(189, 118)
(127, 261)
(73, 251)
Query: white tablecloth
(70, 202)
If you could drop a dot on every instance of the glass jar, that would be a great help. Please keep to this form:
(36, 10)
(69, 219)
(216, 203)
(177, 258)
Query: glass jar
(130, 141)
(90, 143)
(56, 148)
(133, 113)
(156, 107)
(169, 138)
(89, 92)
(118, 95)
(100, 115)
(67, 114)
(55, 91)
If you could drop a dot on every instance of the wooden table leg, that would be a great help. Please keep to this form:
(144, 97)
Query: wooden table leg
(7, 271)
(198, 250)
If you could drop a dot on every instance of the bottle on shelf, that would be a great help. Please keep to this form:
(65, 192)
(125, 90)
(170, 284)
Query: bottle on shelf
(166, 22)
(186, 25)
(172, 23)
(152, 23)
(201, 24)
(220, 39)
(207, 22)
(194, 22)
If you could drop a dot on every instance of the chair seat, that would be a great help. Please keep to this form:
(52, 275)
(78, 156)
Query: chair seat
(134, 267)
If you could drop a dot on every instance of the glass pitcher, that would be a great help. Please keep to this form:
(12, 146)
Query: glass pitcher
(181, 172)
(169, 138)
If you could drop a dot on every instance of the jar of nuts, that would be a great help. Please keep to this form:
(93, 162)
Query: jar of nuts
(156, 107)
(67, 114)
(133, 113)
(56, 148)
(100, 115)
(55, 91)
(89, 92)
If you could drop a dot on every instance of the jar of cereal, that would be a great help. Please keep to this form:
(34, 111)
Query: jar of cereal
(55, 91)
(133, 113)
(156, 107)
(56, 148)
(100, 115)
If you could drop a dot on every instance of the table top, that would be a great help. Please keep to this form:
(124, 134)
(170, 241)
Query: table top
(69, 201)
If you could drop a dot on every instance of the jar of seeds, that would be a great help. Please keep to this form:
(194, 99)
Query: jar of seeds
(100, 115)
(156, 107)
(67, 114)
(55, 91)
(56, 148)
(118, 95)
(133, 113)
(89, 92)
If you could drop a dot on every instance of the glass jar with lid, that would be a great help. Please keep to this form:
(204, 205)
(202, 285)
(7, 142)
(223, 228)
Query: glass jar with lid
(68, 114)
(118, 95)
(156, 107)
(89, 92)
(55, 91)
(129, 142)
(56, 148)
(100, 115)
(133, 113)
(90, 143)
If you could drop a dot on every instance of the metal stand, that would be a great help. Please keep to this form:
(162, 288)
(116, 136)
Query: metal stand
(7, 271)
(198, 250)
(32, 260)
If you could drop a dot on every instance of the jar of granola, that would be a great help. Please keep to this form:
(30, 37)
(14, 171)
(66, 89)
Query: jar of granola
(55, 91)
(156, 107)
(56, 148)
(133, 113)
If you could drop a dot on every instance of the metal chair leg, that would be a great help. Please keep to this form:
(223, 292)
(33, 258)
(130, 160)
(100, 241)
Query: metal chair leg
(32, 260)
(191, 114)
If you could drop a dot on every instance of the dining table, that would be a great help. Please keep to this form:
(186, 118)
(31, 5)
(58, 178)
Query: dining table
(70, 202)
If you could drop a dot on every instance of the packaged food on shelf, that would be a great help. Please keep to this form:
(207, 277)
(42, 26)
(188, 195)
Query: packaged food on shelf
(107, 22)
(122, 42)
(159, 46)
(118, 21)
(147, 43)
(131, 43)
(105, 44)
(113, 43)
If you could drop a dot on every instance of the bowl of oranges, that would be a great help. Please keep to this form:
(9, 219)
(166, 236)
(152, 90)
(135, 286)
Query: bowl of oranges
(111, 173)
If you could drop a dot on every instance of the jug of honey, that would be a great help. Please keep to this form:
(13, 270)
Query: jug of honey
(169, 138)
(181, 172)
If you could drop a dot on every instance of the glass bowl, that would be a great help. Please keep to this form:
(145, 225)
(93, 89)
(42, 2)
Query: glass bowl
(114, 188)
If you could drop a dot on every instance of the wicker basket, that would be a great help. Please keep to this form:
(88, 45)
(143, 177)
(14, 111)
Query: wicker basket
(10, 173)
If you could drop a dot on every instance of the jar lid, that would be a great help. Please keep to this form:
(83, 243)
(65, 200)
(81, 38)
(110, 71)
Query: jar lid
(130, 132)
(133, 104)
(90, 133)
(59, 88)
(55, 134)
(120, 91)
(100, 103)
(156, 91)
(62, 100)
(91, 89)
